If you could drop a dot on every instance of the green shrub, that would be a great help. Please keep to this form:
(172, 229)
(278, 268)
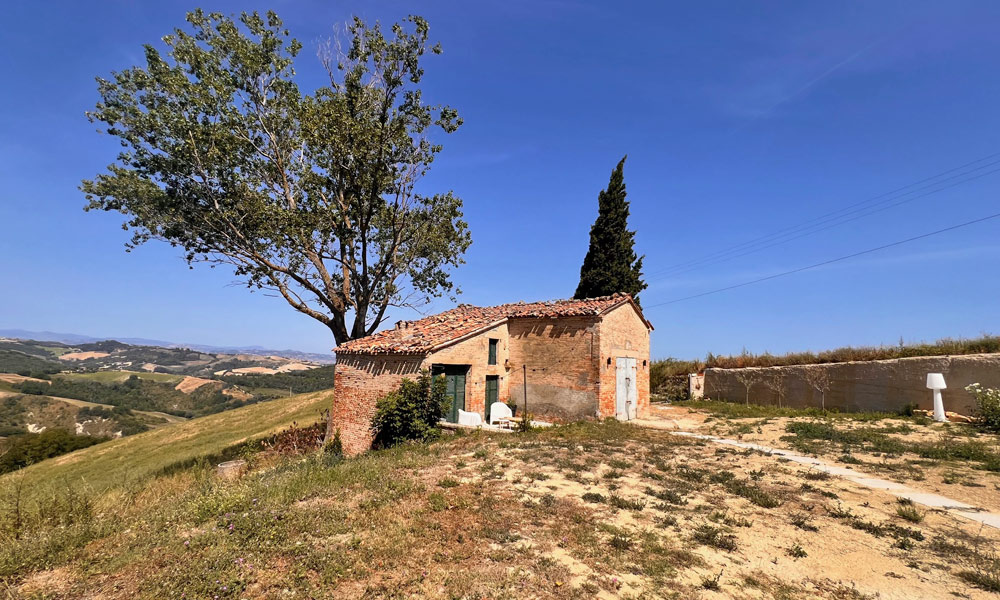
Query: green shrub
(29, 448)
(987, 406)
(334, 447)
(715, 537)
(412, 412)
(524, 424)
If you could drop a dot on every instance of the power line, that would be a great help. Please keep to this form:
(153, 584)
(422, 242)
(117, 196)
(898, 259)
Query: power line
(822, 227)
(846, 211)
(827, 262)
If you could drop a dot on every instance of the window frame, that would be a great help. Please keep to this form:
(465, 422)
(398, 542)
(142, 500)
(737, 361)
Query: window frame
(491, 356)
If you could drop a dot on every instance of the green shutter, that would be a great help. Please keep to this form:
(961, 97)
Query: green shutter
(493, 352)
(492, 393)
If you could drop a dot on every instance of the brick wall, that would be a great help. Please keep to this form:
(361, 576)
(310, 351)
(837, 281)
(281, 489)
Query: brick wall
(560, 355)
(359, 381)
(623, 333)
(474, 352)
(568, 376)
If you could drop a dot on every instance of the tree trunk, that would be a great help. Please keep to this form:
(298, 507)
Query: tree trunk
(339, 329)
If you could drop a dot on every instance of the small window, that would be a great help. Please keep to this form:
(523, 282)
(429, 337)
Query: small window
(493, 352)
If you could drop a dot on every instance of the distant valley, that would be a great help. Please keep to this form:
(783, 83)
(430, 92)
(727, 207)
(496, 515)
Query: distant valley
(54, 393)
(75, 338)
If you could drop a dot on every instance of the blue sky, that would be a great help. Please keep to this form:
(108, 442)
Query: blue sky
(738, 119)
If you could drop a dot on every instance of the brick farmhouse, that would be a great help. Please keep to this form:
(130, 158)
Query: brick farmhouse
(573, 359)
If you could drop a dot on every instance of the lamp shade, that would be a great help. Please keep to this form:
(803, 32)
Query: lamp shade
(935, 381)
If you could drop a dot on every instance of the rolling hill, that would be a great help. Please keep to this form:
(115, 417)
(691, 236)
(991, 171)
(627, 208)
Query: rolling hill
(137, 457)
(75, 339)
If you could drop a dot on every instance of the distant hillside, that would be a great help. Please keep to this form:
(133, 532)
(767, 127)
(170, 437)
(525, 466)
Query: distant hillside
(73, 338)
(109, 389)
(27, 413)
(136, 457)
(119, 356)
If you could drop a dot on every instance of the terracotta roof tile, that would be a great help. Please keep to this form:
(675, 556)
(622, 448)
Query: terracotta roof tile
(424, 335)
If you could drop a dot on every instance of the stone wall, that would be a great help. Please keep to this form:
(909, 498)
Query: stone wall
(884, 385)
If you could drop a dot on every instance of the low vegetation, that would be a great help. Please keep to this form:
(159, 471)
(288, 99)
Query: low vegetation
(739, 410)
(411, 413)
(668, 377)
(886, 441)
(25, 364)
(470, 516)
(981, 345)
(21, 414)
(987, 406)
(297, 382)
(19, 451)
(125, 461)
(137, 393)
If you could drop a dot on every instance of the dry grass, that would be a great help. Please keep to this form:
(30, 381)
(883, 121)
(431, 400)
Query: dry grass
(136, 457)
(517, 516)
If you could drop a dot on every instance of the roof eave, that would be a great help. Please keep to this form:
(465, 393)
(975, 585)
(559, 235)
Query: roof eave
(635, 305)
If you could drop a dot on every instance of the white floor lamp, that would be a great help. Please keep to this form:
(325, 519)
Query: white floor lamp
(935, 381)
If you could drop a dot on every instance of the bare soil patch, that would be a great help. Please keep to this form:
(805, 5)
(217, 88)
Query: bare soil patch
(190, 384)
(83, 355)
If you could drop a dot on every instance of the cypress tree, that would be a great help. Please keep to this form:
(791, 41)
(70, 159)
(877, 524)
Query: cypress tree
(611, 264)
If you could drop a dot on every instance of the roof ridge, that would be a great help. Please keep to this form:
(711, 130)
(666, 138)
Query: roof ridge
(427, 333)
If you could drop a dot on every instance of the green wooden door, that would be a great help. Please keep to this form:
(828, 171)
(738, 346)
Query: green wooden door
(454, 387)
(492, 393)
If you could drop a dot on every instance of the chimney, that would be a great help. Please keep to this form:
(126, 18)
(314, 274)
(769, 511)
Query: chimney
(402, 325)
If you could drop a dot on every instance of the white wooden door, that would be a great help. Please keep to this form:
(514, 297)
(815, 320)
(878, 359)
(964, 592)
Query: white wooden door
(626, 389)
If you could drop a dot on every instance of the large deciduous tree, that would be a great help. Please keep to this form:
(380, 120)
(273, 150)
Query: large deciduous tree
(312, 196)
(611, 265)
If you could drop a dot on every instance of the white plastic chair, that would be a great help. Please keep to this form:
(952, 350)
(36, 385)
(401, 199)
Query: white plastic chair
(472, 419)
(500, 413)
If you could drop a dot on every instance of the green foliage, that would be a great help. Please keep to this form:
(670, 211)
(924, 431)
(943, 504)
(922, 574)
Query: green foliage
(753, 493)
(734, 410)
(137, 393)
(987, 406)
(523, 425)
(29, 448)
(910, 513)
(668, 377)
(715, 537)
(412, 412)
(300, 382)
(12, 361)
(879, 440)
(124, 419)
(334, 447)
(983, 345)
(311, 195)
(611, 265)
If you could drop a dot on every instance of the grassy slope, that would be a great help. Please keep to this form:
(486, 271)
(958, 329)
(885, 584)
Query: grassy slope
(134, 457)
(605, 510)
(120, 376)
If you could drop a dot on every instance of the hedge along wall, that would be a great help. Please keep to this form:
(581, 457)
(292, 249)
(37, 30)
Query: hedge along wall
(882, 385)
